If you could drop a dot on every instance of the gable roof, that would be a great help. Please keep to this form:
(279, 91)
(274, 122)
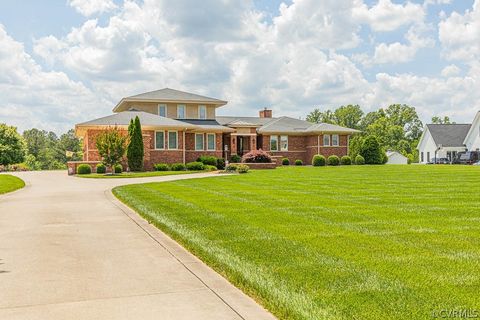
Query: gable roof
(210, 125)
(328, 127)
(448, 135)
(169, 95)
(475, 123)
(285, 125)
(254, 121)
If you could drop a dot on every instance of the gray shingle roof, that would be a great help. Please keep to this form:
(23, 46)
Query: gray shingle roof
(327, 127)
(173, 95)
(210, 125)
(285, 124)
(257, 121)
(146, 119)
(449, 135)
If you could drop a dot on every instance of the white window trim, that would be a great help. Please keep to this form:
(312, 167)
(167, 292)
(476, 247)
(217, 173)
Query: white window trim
(166, 109)
(214, 141)
(273, 138)
(338, 140)
(281, 145)
(168, 137)
(329, 140)
(184, 111)
(155, 138)
(203, 142)
(199, 108)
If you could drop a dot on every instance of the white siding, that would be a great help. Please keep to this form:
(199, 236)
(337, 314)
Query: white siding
(397, 158)
(472, 141)
(427, 145)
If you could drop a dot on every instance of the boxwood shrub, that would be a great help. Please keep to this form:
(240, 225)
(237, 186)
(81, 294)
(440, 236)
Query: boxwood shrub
(231, 167)
(161, 167)
(333, 160)
(346, 160)
(235, 158)
(118, 168)
(359, 160)
(177, 167)
(242, 168)
(195, 166)
(220, 163)
(208, 167)
(101, 168)
(285, 162)
(298, 162)
(84, 169)
(208, 160)
(318, 160)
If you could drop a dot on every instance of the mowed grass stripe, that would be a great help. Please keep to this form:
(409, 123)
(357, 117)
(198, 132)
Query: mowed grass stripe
(365, 242)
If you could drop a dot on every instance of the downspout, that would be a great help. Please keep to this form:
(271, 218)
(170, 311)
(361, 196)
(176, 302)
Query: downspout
(318, 144)
(184, 145)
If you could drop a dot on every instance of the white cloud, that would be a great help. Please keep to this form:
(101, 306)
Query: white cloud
(91, 7)
(451, 70)
(387, 16)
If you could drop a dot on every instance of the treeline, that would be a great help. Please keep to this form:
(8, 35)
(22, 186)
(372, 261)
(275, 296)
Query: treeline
(37, 149)
(397, 127)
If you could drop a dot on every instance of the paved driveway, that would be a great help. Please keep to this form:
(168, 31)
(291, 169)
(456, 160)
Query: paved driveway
(69, 250)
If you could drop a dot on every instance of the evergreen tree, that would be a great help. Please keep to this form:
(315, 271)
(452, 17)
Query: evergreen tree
(135, 146)
(371, 151)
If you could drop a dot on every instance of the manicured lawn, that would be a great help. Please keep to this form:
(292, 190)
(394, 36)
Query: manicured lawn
(10, 183)
(134, 174)
(353, 242)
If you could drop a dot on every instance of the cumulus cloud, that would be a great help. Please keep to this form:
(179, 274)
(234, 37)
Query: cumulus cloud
(451, 70)
(91, 7)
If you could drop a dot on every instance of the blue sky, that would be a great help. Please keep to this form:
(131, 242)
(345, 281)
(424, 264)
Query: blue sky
(67, 61)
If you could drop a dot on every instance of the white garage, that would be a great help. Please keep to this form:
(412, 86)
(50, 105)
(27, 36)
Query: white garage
(395, 157)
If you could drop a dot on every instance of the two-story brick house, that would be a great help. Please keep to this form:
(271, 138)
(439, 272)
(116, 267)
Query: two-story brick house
(179, 127)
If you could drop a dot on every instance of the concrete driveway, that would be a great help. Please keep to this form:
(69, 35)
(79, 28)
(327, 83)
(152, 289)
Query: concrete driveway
(69, 250)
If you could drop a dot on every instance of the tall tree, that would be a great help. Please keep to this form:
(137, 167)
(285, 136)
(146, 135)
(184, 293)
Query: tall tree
(348, 116)
(317, 116)
(111, 145)
(135, 146)
(371, 151)
(69, 142)
(439, 120)
(12, 145)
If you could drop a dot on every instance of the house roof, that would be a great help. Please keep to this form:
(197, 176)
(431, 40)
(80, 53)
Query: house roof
(253, 121)
(146, 119)
(474, 125)
(208, 125)
(285, 125)
(328, 127)
(391, 153)
(449, 135)
(168, 95)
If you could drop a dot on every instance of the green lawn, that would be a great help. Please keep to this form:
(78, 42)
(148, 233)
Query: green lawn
(10, 183)
(134, 174)
(352, 242)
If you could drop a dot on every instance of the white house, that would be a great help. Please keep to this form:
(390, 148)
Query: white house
(443, 141)
(395, 157)
(472, 140)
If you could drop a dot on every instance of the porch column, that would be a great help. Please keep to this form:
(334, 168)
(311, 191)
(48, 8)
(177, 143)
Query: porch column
(183, 142)
(253, 143)
(233, 144)
(318, 144)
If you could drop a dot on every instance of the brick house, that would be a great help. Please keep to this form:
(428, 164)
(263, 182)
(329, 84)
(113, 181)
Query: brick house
(179, 127)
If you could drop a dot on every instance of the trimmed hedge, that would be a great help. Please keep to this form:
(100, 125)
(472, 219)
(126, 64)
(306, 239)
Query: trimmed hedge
(101, 168)
(359, 160)
(285, 162)
(298, 162)
(118, 168)
(242, 168)
(318, 160)
(346, 161)
(195, 166)
(208, 160)
(210, 168)
(235, 158)
(333, 160)
(231, 167)
(161, 167)
(84, 169)
(177, 167)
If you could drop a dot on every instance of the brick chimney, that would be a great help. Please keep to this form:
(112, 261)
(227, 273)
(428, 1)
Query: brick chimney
(265, 113)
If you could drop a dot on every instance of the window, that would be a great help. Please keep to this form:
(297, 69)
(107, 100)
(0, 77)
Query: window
(202, 112)
(159, 139)
(284, 143)
(162, 110)
(181, 111)
(335, 140)
(273, 143)
(421, 157)
(211, 142)
(428, 156)
(198, 141)
(326, 140)
(172, 140)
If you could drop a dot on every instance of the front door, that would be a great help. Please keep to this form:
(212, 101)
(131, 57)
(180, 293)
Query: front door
(240, 145)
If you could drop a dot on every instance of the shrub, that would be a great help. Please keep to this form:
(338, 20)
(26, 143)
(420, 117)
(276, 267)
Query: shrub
(285, 162)
(231, 167)
(220, 163)
(118, 168)
(195, 166)
(298, 162)
(84, 169)
(384, 157)
(257, 156)
(333, 160)
(101, 168)
(209, 160)
(135, 145)
(346, 160)
(359, 160)
(410, 158)
(208, 167)
(242, 168)
(161, 167)
(371, 151)
(318, 160)
(177, 167)
(235, 158)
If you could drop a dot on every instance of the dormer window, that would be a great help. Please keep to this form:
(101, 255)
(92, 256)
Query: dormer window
(181, 111)
(162, 110)
(202, 112)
